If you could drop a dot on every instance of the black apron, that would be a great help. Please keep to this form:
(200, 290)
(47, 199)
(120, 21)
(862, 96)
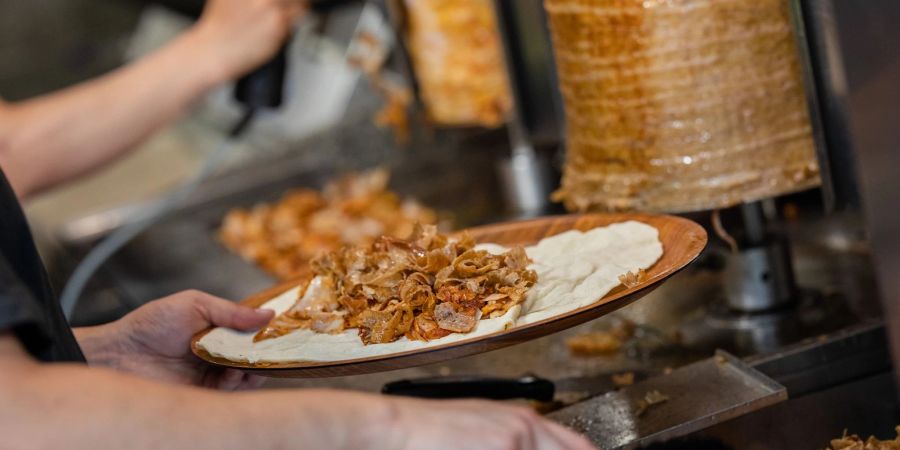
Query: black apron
(28, 306)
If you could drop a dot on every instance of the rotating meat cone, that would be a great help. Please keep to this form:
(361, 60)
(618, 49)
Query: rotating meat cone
(458, 62)
(680, 105)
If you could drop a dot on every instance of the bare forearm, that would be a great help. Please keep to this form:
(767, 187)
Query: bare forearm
(60, 136)
(74, 406)
(77, 407)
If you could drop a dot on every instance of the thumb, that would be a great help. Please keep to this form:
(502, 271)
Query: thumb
(223, 313)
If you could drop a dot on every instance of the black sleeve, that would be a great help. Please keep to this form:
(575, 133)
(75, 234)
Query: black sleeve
(21, 312)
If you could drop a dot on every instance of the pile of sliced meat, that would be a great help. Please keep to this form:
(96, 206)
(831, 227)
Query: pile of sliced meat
(423, 288)
(283, 236)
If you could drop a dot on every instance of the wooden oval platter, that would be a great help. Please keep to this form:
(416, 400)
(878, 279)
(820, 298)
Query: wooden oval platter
(682, 241)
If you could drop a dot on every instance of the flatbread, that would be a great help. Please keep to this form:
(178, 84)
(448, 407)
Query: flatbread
(574, 269)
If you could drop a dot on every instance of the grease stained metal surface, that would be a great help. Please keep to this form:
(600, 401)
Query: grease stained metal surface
(699, 395)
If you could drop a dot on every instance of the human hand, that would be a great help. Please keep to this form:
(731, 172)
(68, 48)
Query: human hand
(236, 36)
(154, 340)
(479, 424)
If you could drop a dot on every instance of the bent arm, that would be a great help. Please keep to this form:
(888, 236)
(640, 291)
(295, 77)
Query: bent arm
(72, 406)
(57, 137)
(60, 136)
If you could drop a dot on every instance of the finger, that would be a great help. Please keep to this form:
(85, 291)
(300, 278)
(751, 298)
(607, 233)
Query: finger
(212, 378)
(230, 380)
(294, 7)
(302, 3)
(545, 440)
(250, 382)
(293, 12)
(222, 313)
(568, 438)
(534, 436)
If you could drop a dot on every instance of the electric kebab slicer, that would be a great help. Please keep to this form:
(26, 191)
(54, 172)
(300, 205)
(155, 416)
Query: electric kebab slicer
(264, 86)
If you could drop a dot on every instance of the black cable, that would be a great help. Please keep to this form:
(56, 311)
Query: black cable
(243, 123)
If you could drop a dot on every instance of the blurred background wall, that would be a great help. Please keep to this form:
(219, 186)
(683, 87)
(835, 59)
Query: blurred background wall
(50, 44)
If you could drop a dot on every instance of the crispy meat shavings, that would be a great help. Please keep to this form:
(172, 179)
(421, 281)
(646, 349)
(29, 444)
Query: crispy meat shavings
(650, 399)
(282, 237)
(854, 442)
(623, 379)
(456, 316)
(631, 279)
(598, 343)
(369, 56)
(317, 309)
(424, 288)
(457, 57)
(602, 342)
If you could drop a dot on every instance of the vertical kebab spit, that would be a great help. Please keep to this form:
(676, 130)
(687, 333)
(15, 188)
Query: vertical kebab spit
(680, 106)
(457, 58)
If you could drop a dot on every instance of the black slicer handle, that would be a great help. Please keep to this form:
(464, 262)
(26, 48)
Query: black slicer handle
(527, 387)
(264, 87)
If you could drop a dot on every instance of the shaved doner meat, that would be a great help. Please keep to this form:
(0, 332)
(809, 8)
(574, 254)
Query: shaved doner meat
(317, 309)
(455, 317)
(424, 287)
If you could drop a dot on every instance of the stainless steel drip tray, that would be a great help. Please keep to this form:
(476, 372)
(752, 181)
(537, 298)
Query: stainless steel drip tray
(698, 395)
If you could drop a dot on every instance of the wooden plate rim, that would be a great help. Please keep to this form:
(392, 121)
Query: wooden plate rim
(618, 295)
